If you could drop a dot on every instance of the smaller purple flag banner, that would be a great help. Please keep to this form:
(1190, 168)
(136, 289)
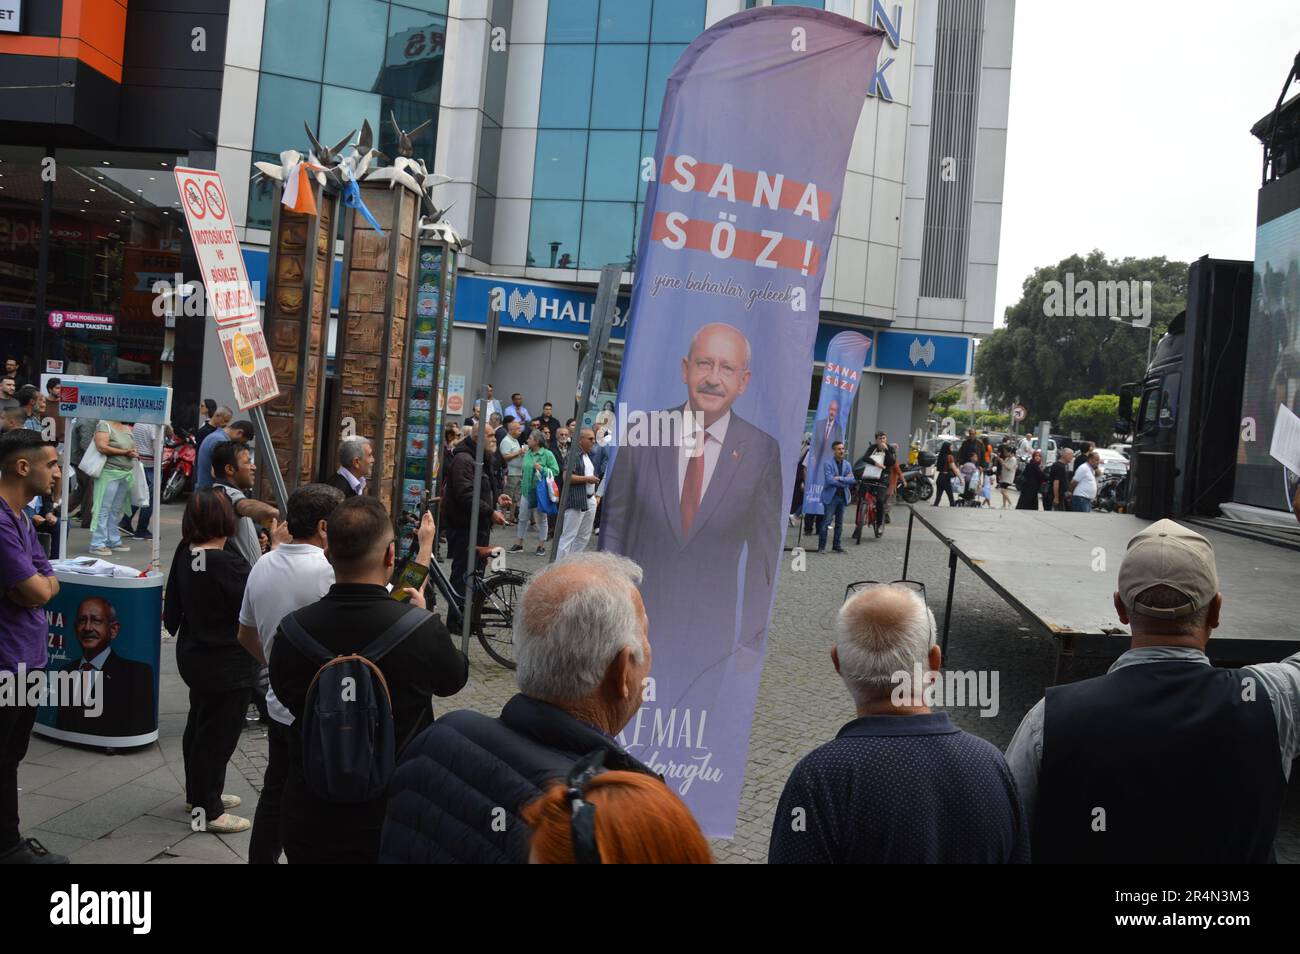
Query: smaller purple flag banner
(846, 355)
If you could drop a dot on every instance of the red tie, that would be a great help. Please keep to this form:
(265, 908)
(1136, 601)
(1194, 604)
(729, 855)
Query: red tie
(87, 667)
(693, 487)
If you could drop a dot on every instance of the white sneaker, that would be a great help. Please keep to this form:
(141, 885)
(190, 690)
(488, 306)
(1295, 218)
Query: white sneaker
(228, 824)
(121, 548)
(101, 551)
(227, 802)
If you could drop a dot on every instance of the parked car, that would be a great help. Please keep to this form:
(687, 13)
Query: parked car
(1049, 455)
(1125, 449)
(1113, 463)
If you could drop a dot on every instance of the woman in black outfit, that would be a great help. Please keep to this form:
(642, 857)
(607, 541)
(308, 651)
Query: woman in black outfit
(1030, 483)
(201, 608)
(945, 469)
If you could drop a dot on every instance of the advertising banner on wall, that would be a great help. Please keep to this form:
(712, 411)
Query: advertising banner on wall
(234, 307)
(846, 355)
(754, 137)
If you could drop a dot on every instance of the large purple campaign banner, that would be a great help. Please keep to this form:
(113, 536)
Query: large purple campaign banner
(754, 137)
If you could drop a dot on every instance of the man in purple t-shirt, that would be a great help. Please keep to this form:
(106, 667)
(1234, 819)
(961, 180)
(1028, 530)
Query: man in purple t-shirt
(29, 468)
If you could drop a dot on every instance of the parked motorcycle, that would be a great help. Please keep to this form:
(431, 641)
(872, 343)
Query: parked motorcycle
(918, 478)
(179, 454)
(1112, 493)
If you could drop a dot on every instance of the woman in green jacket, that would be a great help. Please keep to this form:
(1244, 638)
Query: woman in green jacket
(539, 463)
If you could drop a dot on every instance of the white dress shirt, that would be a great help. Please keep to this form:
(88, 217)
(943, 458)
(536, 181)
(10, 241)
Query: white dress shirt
(712, 451)
(358, 484)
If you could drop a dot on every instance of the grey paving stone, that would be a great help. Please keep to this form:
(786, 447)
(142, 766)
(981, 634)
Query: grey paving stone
(33, 775)
(103, 777)
(54, 841)
(36, 809)
(206, 847)
(99, 816)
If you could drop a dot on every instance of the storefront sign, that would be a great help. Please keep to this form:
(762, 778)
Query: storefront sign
(207, 213)
(81, 321)
(53, 367)
(533, 306)
(116, 402)
(11, 16)
(922, 352)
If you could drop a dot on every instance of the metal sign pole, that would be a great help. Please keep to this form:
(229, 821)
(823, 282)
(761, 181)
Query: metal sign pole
(602, 322)
(273, 468)
(489, 360)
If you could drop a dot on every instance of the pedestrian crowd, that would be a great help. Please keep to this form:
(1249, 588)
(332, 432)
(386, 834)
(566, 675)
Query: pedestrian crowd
(365, 767)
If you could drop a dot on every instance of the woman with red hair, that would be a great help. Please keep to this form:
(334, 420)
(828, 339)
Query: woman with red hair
(613, 818)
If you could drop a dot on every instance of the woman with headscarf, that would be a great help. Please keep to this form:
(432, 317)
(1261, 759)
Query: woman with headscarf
(945, 466)
(1030, 482)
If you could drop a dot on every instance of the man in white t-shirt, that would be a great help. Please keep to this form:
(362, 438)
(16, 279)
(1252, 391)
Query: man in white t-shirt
(291, 576)
(1083, 488)
(580, 505)
(512, 452)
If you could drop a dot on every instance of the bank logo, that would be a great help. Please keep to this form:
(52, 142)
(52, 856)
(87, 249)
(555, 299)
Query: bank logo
(522, 306)
(919, 353)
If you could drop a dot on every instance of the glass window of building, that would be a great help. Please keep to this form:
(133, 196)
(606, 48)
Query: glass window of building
(283, 105)
(677, 21)
(614, 89)
(613, 162)
(561, 159)
(553, 234)
(624, 21)
(355, 43)
(293, 38)
(566, 87)
(334, 64)
(619, 86)
(342, 110)
(606, 234)
(115, 229)
(572, 21)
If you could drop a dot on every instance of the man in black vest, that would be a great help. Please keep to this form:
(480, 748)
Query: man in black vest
(1165, 758)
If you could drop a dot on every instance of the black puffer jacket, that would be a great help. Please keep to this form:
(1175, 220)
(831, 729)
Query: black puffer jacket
(444, 796)
(458, 494)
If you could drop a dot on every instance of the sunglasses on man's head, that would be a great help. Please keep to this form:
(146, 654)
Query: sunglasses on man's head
(914, 585)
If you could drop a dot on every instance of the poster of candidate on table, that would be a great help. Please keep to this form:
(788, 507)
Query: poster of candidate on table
(743, 192)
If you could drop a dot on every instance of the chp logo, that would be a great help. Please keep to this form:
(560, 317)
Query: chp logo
(68, 399)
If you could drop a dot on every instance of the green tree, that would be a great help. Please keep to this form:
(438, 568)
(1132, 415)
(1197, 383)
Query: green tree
(1092, 417)
(944, 400)
(1046, 359)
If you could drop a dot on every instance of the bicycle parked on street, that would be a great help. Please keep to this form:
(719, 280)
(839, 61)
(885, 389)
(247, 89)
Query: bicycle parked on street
(493, 599)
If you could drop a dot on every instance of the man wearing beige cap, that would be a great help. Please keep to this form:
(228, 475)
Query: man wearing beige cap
(1165, 758)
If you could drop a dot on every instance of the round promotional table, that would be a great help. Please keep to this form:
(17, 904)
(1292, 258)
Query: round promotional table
(113, 626)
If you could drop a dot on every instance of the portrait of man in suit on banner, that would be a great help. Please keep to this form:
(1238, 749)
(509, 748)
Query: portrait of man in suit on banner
(125, 685)
(702, 515)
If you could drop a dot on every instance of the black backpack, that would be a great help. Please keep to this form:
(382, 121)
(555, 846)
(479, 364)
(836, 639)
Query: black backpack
(348, 746)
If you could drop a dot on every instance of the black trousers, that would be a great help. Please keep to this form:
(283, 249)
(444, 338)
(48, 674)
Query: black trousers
(458, 547)
(265, 845)
(211, 733)
(83, 496)
(943, 485)
(15, 732)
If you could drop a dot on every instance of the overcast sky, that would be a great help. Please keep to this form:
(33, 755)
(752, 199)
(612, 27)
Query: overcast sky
(1130, 126)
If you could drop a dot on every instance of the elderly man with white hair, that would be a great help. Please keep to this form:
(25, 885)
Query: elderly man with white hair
(900, 783)
(582, 644)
